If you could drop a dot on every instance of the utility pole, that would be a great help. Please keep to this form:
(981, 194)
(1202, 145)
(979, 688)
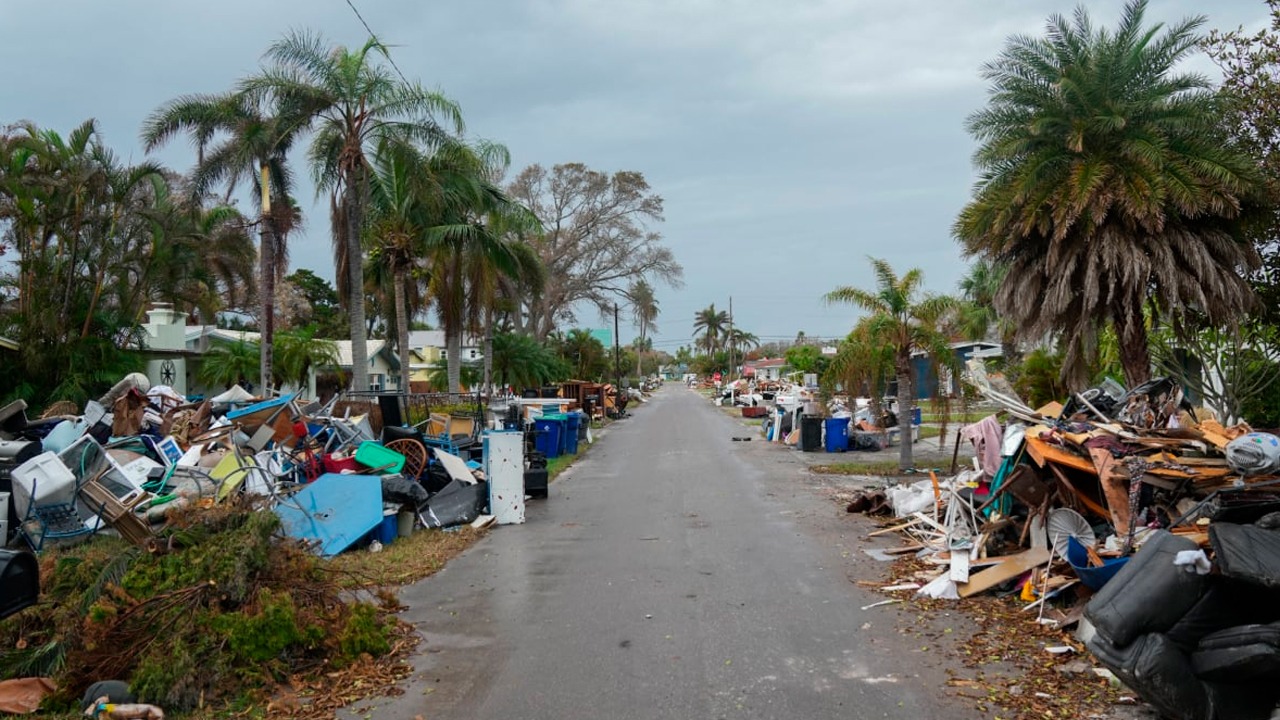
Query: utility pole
(731, 338)
(731, 344)
(617, 354)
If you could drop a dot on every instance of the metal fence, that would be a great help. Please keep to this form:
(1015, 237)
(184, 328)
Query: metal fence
(412, 409)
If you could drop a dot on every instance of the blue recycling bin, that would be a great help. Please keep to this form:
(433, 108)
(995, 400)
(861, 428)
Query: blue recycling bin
(548, 440)
(563, 437)
(572, 420)
(916, 416)
(837, 434)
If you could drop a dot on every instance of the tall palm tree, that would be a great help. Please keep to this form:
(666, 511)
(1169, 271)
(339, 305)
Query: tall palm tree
(472, 242)
(712, 323)
(1107, 186)
(354, 102)
(238, 139)
(644, 309)
(899, 318)
(398, 225)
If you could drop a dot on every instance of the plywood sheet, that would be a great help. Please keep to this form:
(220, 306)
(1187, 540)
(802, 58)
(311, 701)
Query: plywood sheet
(1011, 568)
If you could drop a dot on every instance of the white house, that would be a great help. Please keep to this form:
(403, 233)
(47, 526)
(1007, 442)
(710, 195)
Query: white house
(384, 365)
(174, 351)
(766, 369)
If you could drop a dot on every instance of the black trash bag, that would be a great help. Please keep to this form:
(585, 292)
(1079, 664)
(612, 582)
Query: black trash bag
(1149, 594)
(1227, 603)
(1246, 653)
(115, 691)
(456, 504)
(435, 478)
(400, 490)
(1247, 552)
(1156, 669)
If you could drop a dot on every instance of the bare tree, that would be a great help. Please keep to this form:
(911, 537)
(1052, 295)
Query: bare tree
(596, 241)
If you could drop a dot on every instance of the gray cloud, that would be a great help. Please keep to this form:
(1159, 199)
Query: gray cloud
(790, 140)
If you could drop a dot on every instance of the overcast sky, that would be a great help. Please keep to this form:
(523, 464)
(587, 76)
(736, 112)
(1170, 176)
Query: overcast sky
(790, 140)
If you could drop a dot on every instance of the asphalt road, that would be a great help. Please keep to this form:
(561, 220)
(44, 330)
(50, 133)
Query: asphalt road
(672, 573)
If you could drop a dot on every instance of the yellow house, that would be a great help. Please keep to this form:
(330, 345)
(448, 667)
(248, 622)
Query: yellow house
(428, 347)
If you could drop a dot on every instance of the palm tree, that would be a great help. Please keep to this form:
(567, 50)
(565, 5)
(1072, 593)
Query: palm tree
(740, 340)
(584, 354)
(1107, 186)
(862, 364)
(207, 260)
(299, 351)
(521, 361)
(978, 316)
(900, 320)
(398, 225)
(228, 365)
(96, 241)
(644, 309)
(712, 323)
(354, 102)
(238, 140)
(473, 242)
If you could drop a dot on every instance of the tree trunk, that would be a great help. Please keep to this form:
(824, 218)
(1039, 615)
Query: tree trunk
(453, 345)
(488, 354)
(266, 303)
(639, 352)
(905, 406)
(1131, 334)
(402, 327)
(355, 276)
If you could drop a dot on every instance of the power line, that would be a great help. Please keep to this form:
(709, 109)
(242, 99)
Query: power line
(372, 34)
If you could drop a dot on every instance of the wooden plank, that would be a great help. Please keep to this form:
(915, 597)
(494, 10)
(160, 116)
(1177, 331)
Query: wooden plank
(895, 528)
(902, 550)
(930, 522)
(1042, 452)
(1011, 568)
(1085, 500)
(1050, 410)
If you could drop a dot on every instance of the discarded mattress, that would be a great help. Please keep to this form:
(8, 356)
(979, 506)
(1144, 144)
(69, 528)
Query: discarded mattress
(1247, 653)
(1123, 609)
(1247, 552)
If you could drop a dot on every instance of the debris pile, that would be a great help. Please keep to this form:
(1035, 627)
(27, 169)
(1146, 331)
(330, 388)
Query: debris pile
(217, 511)
(1129, 514)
